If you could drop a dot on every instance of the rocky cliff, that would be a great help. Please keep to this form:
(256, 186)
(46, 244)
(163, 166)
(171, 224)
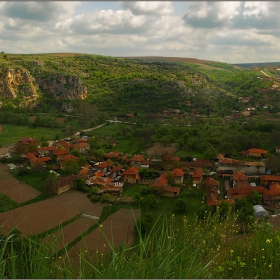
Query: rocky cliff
(20, 83)
(17, 82)
(63, 87)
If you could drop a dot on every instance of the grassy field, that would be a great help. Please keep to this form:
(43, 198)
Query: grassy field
(6, 203)
(12, 133)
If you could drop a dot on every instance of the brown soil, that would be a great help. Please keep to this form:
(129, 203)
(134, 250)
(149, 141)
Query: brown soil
(60, 120)
(41, 216)
(32, 118)
(67, 234)
(1, 128)
(118, 229)
(12, 188)
(158, 149)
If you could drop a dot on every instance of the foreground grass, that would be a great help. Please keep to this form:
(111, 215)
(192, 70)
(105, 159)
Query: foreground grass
(211, 248)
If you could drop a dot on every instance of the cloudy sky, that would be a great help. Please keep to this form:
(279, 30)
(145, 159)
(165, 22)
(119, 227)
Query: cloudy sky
(225, 31)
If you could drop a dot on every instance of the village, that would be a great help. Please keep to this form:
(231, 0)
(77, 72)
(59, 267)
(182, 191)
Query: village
(224, 179)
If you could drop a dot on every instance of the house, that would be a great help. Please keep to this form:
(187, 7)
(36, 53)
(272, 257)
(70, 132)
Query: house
(169, 161)
(82, 147)
(269, 179)
(105, 166)
(162, 187)
(26, 144)
(46, 151)
(178, 175)
(136, 161)
(227, 166)
(198, 164)
(63, 145)
(60, 154)
(111, 155)
(243, 191)
(238, 177)
(197, 177)
(34, 161)
(271, 194)
(259, 153)
(64, 184)
(66, 158)
(116, 171)
(244, 99)
(252, 167)
(169, 191)
(131, 175)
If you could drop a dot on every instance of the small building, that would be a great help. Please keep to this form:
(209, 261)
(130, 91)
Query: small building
(131, 175)
(259, 211)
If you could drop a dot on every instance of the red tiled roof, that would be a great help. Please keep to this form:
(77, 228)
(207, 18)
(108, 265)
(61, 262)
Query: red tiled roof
(239, 176)
(273, 178)
(229, 160)
(137, 158)
(178, 172)
(99, 173)
(259, 151)
(64, 144)
(61, 152)
(132, 170)
(198, 173)
(116, 168)
(211, 182)
(70, 157)
(81, 145)
(104, 164)
(170, 158)
(244, 190)
(160, 181)
(50, 148)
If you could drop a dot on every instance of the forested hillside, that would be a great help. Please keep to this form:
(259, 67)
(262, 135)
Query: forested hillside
(133, 85)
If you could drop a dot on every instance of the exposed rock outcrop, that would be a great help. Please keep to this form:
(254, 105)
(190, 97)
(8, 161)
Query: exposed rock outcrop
(63, 87)
(17, 81)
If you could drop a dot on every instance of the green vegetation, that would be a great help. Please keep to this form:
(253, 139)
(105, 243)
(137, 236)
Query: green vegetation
(6, 203)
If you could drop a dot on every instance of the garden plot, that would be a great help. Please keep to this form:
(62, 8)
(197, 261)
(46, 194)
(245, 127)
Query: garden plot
(12, 188)
(44, 215)
(62, 237)
(118, 229)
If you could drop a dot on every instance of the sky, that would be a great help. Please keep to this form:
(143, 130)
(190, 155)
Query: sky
(225, 31)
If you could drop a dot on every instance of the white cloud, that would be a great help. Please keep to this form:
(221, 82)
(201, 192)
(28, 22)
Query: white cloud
(149, 7)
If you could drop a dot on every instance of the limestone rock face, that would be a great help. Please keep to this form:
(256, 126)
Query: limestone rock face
(63, 87)
(15, 82)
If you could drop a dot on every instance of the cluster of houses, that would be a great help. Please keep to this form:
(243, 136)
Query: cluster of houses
(118, 168)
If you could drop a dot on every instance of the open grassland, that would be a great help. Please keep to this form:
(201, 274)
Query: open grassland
(12, 133)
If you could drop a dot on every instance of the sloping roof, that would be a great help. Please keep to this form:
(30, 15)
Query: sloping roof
(253, 163)
(211, 182)
(160, 181)
(64, 144)
(229, 161)
(132, 170)
(116, 168)
(197, 174)
(81, 145)
(104, 164)
(178, 172)
(239, 176)
(258, 151)
(137, 158)
(273, 178)
(49, 148)
(244, 190)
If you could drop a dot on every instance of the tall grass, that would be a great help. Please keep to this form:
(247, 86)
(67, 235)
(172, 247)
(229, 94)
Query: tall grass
(174, 248)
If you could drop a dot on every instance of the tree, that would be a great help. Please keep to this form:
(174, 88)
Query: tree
(255, 198)
(49, 184)
(71, 166)
(180, 205)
